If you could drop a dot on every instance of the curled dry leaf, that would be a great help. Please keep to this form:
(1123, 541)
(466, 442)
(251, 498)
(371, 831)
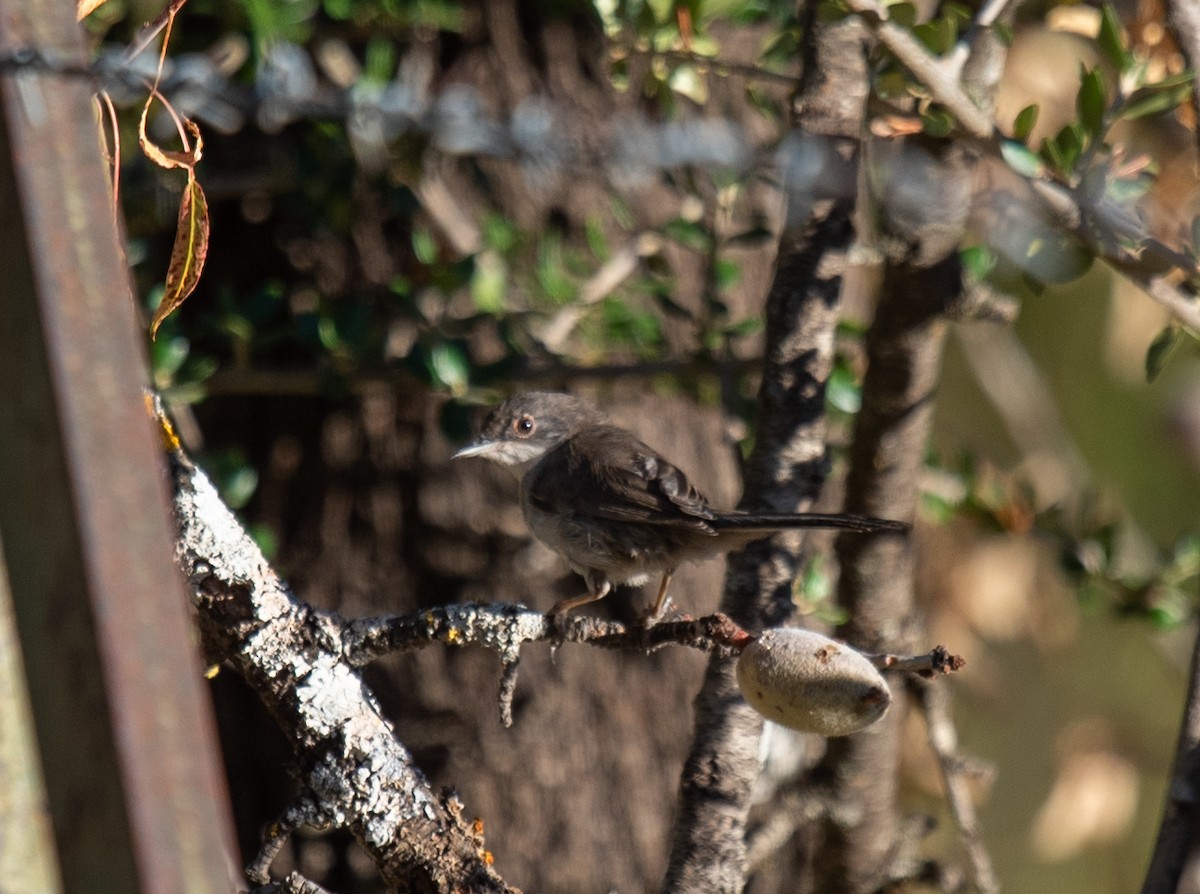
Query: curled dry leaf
(811, 683)
(188, 252)
(192, 149)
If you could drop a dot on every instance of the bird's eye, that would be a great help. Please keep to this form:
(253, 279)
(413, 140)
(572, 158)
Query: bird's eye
(523, 426)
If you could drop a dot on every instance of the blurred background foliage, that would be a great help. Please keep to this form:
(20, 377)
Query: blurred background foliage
(450, 198)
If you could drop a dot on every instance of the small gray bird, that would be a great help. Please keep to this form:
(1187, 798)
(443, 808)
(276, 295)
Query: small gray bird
(615, 509)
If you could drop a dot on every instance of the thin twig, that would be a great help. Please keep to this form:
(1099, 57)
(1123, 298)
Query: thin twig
(934, 698)
(1146, 263)
(943, 84)
(987, 16)
(938, 660)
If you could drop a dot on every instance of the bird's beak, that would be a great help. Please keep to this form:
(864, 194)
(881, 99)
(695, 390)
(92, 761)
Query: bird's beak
(482, 447)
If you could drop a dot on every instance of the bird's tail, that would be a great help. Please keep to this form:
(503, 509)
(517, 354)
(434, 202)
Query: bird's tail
(774, 521)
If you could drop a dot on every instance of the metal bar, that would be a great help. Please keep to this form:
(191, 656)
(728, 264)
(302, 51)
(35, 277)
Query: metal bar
(124, 728)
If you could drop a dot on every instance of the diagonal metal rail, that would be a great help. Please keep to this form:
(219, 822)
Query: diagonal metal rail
(123, 726)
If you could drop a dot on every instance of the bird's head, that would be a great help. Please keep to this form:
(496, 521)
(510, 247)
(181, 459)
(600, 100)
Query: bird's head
(527, 426)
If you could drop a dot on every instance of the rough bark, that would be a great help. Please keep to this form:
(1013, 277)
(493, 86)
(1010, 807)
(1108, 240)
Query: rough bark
(785, 473)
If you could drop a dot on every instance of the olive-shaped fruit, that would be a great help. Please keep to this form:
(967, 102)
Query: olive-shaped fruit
(811, 683)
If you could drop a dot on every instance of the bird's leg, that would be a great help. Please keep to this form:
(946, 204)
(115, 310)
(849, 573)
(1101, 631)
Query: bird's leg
(660, 603)
(598, 587)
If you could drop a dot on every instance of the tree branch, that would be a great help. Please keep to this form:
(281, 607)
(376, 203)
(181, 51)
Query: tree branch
(785, 471)
(1181, 815)
(353, 768)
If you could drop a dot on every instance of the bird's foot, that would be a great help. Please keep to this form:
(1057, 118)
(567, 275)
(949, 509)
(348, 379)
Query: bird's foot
(557, 625)
(656, 612)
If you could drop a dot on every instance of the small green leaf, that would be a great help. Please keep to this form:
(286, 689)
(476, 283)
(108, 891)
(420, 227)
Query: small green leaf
(489, 282)
(380, 62)
(1110, 39)
(746, 327)
(596, 239)
(689, 233)
(1156, 354)
(978, 261)
(424, 246)
(1091, 103)
(1021, 158)
(1151, 100)
(1024, 123)
(448, 367)
(843, 391)
(660, 9)
(727, 273)
(903, 14)
(1063, 151)
(937, 122)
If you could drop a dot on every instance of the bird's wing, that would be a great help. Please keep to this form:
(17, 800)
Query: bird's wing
(604, 472)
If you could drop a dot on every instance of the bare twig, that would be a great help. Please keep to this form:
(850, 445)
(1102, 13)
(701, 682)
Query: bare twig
(787, 814)
(303, 813)
(987, 16)
(505, 628)
(943, 739)
(1147, 261)
(942, 83)
(939, 660)
(622, 265)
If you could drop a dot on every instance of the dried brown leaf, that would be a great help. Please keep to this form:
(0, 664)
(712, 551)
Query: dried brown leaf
(192, 149)
(188, 252)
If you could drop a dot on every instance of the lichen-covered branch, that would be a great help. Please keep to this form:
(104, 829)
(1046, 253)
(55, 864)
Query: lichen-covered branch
(355, 772)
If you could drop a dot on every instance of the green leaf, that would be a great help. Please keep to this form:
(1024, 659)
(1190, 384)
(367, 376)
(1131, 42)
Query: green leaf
(596, 240)
(380, 62)
(937, 122)
(843, 391)
(746, 327)
(499, 233)
(727, 273)
(978, 261)
(1151, 101)
(1091, 103)
(448, 367)
(1160, 348)
(424, 246)
(489, 282)
(1024, 123)
(1110, 39)
(1021, 158)
(688, 233)
(903, 14)
(1063, 151)
(661, 9)
(938, 35)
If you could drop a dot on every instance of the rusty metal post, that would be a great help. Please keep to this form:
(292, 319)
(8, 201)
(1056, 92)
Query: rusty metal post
(124, 728)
